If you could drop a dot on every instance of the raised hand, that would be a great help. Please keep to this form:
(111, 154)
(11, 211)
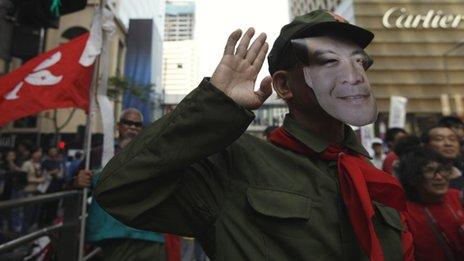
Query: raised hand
(236, 73)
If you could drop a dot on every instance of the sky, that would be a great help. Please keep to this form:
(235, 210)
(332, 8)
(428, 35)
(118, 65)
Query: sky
(216, 19)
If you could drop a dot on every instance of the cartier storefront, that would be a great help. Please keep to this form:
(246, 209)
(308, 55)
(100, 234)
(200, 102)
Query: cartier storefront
(419, 54)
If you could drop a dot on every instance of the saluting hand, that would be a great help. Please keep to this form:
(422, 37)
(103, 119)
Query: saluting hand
(236, 73)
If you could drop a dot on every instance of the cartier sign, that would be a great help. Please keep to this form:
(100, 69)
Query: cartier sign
(400, 17)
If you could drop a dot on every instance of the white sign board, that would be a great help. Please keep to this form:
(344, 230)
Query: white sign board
(397, 117)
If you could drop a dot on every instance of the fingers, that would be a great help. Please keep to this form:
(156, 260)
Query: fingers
(83, 179)
(258, 62)
(265, 89)
(232, 41)
(255, 48)
(85, 172)
(243, 45)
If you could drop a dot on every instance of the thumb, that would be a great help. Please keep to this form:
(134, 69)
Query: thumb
(265, 89)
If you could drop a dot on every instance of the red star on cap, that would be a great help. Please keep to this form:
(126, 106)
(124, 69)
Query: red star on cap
(337, 17)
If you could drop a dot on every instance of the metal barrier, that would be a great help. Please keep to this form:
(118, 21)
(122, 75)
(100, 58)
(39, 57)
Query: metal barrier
(69, 235)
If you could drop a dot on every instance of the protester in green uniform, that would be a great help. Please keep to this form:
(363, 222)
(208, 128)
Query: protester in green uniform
(308, 194)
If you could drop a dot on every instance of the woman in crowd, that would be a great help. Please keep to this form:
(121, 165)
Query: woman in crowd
(436, 217)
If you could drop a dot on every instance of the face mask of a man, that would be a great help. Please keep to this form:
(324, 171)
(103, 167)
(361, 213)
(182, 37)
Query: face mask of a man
(335, 71)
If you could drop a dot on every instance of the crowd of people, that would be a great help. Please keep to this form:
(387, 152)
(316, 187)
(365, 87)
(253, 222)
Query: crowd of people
(429, 168)
(28, 171)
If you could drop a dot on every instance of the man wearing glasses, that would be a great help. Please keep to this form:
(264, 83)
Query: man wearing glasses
(308, 194)
(118, 241)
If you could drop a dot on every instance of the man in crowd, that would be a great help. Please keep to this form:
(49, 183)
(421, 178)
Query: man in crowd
(25, 148)
(53, 170)
(456, 125)
(120, 242)
(392, 137)
(445, 141)
(195, 173)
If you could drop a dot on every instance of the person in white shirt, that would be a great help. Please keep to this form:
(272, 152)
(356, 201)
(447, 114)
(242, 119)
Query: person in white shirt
(378, 156)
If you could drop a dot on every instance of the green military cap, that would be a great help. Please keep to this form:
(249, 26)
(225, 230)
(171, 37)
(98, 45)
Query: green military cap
(315, 23)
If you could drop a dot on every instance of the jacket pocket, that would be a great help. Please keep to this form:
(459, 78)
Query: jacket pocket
(279, 212)
(390, 216)
(388, 228)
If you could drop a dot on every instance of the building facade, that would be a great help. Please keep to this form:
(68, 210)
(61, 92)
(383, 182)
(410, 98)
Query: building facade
(418, 54)
(180, 66)
(300, 7)
(180, 52)
(154, 11)
(180, 20)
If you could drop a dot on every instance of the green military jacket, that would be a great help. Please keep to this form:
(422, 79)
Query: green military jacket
(195, 173)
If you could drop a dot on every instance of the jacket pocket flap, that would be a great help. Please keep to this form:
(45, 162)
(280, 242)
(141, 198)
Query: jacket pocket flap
(390, 216)
(281, 204)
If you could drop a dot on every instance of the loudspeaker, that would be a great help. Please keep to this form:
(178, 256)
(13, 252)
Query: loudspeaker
(37, 13)
(6, 29)
(80, 135)
(26, 42)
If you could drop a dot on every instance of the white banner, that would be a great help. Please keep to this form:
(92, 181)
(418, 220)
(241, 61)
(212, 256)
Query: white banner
(459, 106)
(397, 117)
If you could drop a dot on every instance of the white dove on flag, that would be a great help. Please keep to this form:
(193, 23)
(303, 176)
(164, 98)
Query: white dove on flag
(39, 76)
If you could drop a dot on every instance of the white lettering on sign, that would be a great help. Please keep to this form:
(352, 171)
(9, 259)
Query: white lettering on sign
(8, 141)
(399, 17)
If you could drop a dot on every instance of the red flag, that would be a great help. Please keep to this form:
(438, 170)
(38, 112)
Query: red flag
(51, 80)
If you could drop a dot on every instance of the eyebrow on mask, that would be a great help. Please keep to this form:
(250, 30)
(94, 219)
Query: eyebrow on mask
(360, 52)
(322, 52)
(355, 52)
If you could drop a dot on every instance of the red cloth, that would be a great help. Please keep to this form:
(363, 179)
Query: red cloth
(173, 247)
(426, 246)
(54, 79)
(360, 183)
(389, 162)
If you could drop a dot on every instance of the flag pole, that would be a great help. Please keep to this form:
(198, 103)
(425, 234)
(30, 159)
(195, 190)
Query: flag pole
(88, 145)
(87, 150)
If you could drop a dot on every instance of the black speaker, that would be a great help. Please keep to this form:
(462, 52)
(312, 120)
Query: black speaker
(26, 42)
(80, 135)
(37, 13)
(6, 28)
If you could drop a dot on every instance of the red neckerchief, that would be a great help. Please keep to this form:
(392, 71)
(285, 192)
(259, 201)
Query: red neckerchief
(360, 183)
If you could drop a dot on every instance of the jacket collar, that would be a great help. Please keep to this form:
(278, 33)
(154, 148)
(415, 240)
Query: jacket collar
(314, 142)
